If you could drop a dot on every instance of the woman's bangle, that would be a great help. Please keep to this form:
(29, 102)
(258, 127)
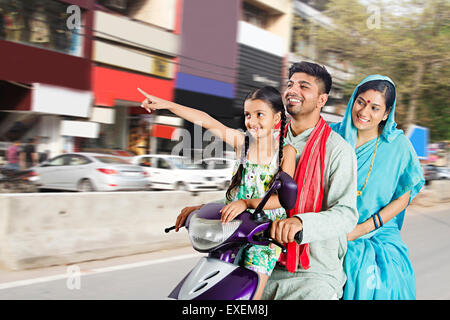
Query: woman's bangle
(375, 221)
(377, 214)
(379, 218)
(246, 203)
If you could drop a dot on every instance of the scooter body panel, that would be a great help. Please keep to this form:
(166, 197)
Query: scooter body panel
(213, 279)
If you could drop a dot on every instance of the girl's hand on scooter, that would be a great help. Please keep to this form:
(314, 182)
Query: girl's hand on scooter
(232, 210)
(185, 212)
(152, 103)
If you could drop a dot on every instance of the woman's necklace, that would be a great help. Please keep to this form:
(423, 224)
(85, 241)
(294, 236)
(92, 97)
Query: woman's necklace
(359, 192)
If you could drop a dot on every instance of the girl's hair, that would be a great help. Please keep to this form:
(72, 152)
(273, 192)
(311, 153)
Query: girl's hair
(385, 87)
(272, 97)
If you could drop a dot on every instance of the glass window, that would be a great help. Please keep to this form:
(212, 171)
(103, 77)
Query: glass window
(163, 164)
(60, 161)
(78, 160)
(145, 162)
(42, 23)
(254, 15)
(112, 160)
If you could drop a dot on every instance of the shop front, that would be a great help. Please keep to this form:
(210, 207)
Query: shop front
(123, 125)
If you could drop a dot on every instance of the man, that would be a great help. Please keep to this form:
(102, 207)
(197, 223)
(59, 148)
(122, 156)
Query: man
(29, 156)
(12, 156)
(326, 203)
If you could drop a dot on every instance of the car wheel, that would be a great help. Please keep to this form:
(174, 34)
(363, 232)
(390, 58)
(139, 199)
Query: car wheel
(86, 185)
(225, 185)
(181, 186)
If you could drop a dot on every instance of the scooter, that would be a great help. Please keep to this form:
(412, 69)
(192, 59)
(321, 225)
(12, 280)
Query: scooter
(17, 181)
(218, 276)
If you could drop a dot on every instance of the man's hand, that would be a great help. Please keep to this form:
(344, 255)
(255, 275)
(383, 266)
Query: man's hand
(284, 230)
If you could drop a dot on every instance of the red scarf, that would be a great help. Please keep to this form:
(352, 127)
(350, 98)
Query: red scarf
(309, 178)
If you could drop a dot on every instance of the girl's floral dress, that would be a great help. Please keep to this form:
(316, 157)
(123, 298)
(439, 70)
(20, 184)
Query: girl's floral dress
(255, 183)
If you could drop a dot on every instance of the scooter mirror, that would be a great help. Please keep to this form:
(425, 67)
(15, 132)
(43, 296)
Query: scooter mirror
(287, 194)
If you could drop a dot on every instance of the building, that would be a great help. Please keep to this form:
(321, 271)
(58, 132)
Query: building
(307, 17)
(135, 44)
(45, 69)
(228, 48)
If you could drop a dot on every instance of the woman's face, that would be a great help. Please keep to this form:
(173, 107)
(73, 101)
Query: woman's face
(369, 109)
(260, 119)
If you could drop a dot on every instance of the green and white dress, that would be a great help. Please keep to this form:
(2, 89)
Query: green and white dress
(255, 183)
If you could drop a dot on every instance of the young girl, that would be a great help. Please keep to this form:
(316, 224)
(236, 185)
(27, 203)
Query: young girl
(261, 156)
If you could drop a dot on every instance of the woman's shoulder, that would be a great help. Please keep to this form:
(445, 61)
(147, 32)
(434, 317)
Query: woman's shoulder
(401, 143)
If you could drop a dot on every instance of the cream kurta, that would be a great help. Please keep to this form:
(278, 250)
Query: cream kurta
(326, 231)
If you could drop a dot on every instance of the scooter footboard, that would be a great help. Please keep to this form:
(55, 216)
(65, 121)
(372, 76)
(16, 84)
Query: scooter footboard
(213, 279)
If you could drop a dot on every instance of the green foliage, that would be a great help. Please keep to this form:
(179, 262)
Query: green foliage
(410, 44)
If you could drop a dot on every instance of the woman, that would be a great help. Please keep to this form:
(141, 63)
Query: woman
(389, 177)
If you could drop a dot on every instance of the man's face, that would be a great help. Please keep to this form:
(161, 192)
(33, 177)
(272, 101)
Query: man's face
(302, 95)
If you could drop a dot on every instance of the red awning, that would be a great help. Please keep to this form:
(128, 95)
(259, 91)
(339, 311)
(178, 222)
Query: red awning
(162, 131)
(110, 85)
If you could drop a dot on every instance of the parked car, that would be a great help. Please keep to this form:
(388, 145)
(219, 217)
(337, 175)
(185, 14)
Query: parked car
(219, 168)
(443, 173)
(167, 172)
(80, 171)
(429, 173)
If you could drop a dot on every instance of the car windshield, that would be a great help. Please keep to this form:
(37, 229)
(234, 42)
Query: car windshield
(181, 163)
(109, 159)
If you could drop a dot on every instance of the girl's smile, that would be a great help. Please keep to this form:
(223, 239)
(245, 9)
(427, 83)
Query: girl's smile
(259, 118)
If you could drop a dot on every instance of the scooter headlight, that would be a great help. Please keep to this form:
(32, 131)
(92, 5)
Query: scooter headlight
(206, 234)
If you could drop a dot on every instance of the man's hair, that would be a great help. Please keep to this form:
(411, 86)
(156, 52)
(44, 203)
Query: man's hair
(315, 70)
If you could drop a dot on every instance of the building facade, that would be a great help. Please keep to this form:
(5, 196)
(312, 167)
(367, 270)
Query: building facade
(45, 69)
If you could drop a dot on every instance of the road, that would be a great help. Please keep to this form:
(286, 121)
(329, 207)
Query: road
(152, 276)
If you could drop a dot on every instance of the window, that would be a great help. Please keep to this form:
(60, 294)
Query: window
(254, 15)
(40, 23)
(113, 160)
(78, 160)
(60, 161)
(145, 162)
(163, 164)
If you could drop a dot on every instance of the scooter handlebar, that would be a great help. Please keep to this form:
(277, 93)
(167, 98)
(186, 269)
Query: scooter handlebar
(167, 230)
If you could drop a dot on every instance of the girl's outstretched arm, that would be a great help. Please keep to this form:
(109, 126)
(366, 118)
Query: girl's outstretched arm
(233, 137)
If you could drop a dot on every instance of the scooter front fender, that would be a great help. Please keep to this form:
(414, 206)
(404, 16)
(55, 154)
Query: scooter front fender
(213, 279)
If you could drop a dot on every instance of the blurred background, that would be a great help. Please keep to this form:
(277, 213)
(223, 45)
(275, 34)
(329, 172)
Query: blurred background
(70, 69)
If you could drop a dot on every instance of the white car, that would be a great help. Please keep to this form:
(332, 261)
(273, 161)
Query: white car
(221, 169)
(443, 173)
(167, 172)
(80, 171)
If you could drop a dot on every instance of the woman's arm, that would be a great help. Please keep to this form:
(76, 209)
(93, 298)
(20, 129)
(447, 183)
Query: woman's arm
(387, 213)
(233, 137)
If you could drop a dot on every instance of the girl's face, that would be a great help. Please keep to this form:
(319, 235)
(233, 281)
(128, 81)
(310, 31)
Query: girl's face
(369, 109)
(260, 119)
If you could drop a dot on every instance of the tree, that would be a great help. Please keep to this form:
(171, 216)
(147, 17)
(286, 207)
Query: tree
(408, 40)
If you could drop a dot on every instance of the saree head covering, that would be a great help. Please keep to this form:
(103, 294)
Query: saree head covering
(377, 264)
(348, 131)
(309, 178)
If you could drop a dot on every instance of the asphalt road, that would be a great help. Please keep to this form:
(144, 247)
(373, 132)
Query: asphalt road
(152, 276)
